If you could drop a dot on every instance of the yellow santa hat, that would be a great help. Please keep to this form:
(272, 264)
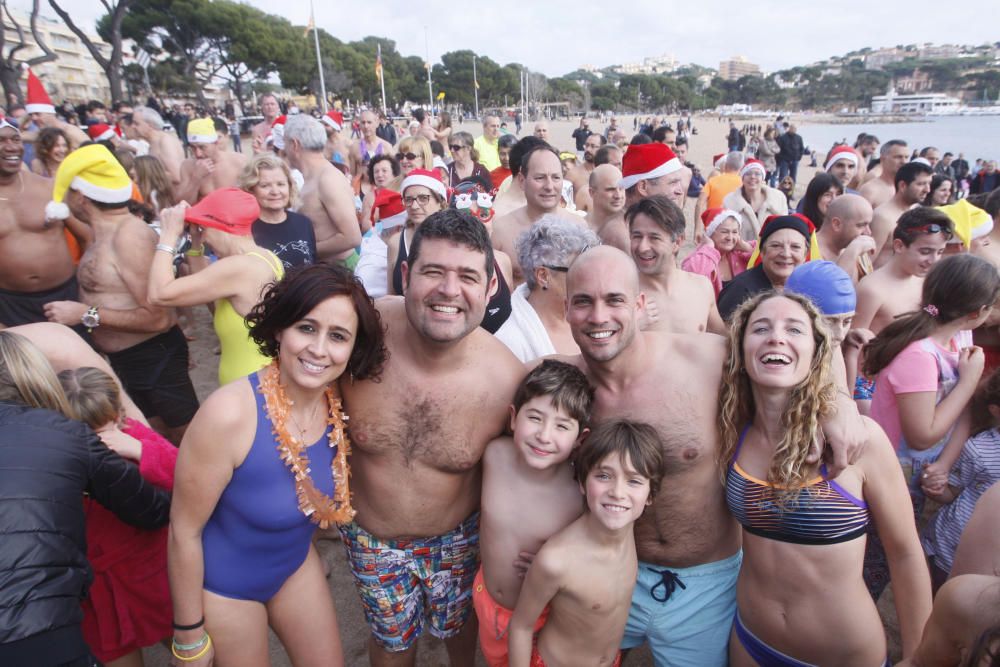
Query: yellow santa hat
(92, 171)
(202, 131)
(970, 221)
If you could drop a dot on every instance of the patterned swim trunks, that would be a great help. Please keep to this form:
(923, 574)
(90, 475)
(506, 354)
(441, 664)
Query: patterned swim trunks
(402, 582)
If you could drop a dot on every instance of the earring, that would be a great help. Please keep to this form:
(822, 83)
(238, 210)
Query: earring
(545, 287)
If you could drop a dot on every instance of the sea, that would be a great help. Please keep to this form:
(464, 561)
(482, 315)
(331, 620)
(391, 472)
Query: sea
(975, 136)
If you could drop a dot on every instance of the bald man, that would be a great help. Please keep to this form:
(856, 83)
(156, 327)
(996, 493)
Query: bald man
(846, 235)
(488, 145)
(606, 215)
(368, 146)
(542, 131)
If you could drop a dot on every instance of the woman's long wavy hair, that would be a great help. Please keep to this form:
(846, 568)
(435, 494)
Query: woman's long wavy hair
(808, 403)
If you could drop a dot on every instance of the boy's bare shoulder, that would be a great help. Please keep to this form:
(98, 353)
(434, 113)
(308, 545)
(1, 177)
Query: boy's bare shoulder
(498, 451)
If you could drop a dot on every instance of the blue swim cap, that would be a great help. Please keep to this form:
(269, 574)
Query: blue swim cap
(826, 285)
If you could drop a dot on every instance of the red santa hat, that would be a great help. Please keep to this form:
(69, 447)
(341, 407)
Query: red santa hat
(278, 132)
(646, 161)
(334, 119)
(840, 153)
(428, 179)
(38, 100)
(714, 217)
(100, 132)
(751, 165)
(389, 205)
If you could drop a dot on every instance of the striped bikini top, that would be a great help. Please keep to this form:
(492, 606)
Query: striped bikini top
(823, 513)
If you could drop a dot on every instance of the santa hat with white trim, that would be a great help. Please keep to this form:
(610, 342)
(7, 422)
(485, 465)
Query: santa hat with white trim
(389, 205)
(95, 173)
(714, 217)
(428, 179)
(100, 132)
(38, 101)
(202, 131)
(278, 132)
(840, 153)
(647, 161)
(334, 119)
(753, 164)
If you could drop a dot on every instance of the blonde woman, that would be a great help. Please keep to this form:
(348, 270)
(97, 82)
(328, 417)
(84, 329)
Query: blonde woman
(414, 153)
(287, 234)
(49, 462)
(801, 598)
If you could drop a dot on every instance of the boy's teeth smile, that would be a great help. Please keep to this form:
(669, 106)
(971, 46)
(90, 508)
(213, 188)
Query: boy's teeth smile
(615, 508)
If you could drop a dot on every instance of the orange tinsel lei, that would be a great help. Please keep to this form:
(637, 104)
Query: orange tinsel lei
(320, 508)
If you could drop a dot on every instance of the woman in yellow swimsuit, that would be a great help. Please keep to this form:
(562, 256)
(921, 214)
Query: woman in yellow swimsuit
(222, 221)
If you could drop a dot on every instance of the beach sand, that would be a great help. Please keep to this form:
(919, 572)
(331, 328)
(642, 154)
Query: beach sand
(710, 140)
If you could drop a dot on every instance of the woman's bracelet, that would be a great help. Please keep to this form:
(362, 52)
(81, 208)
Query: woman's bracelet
(195, 626)
(200, 654)
(166, 248)
(190, 647)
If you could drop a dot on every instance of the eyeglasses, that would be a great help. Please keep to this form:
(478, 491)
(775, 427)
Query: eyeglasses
(559, 269)
(409, 156)
(423, 200)
(455, 148)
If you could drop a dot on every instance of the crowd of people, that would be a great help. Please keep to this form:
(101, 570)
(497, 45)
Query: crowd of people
(426, 336)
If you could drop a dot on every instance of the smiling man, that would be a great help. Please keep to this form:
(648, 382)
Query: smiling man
(37, 267)
(676, 301)
(419, 435)
(541, 178)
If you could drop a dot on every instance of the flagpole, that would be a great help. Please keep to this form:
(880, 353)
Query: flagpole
(319, 62)
(430, 88)
(381, 78)
(475, 84)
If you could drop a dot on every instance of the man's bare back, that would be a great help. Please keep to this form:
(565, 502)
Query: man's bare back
(103, 282)
(169, 150)
(36, 257)
(209, 175)
(328, 201)
(883, 225)
(418, 438)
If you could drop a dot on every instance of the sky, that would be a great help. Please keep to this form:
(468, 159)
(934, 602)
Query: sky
(556, 37)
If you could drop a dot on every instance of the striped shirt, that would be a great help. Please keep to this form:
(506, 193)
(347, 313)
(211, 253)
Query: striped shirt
(977, 469)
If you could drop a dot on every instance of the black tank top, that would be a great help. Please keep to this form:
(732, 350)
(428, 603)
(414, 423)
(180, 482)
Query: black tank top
(497, 310)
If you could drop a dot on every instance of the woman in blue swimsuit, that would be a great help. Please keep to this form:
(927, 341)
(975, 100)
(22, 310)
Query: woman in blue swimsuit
(261, 466)
(800, 595)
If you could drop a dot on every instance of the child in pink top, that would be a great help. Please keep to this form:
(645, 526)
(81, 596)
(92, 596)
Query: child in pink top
(722, 254)
(128, 606)
(927, 369)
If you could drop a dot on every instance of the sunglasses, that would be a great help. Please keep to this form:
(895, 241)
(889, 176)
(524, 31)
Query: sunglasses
(558, 269)
(932, 228)
(409, 156)
(455, 148)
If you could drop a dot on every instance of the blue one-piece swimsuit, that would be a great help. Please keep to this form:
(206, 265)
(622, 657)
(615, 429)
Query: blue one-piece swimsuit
(257, 537)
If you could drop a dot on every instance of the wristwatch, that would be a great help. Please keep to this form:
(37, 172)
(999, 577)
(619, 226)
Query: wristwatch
(91, 319)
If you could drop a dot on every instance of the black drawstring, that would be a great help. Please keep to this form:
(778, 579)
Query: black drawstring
(670, 581)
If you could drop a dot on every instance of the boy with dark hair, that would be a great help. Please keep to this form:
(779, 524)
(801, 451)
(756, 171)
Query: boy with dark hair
(522, 474)
(584, 574)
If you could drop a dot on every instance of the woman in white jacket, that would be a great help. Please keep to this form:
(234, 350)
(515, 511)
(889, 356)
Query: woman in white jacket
(754, 200)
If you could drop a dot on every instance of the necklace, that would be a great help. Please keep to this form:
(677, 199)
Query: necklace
(20, 179)
(320, 508)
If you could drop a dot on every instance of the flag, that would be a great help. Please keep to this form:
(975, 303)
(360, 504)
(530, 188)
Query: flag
(311, 26)
(378, 63)
(441, 95)
(475, 83)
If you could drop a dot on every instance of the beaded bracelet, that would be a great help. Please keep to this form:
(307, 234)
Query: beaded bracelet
(197, 656)
(190, 647)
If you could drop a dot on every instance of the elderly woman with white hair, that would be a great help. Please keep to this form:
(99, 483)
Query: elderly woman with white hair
(537, 325)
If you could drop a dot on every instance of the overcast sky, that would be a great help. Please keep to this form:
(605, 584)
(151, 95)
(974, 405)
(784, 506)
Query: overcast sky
(558, 36)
